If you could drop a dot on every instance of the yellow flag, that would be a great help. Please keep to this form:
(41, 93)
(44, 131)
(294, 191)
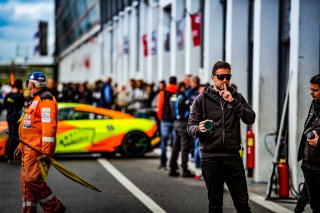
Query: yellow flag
(72, 176)
(44, 168)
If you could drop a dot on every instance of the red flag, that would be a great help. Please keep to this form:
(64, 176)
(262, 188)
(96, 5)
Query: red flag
(196, 29)
(145, 45)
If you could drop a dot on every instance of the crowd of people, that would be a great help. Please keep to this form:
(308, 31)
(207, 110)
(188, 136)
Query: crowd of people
(138, 98)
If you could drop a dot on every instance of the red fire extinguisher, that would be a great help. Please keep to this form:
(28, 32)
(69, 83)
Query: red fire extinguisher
(250, 151)
(283, 180)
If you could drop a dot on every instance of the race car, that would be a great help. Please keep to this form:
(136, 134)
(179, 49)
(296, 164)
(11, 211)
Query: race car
(87, 129)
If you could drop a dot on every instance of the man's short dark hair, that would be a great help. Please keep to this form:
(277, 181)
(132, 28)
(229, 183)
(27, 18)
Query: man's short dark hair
(196, 79)
(181, 85)
(18, 84)
(173, 80)
(315, 79)
(220, 65)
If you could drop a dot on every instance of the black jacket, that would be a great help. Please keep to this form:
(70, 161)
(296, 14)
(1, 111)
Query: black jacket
(225, 139)
(314, 111)
(14, 103)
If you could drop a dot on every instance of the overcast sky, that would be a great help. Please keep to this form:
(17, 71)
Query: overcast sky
(18, 24)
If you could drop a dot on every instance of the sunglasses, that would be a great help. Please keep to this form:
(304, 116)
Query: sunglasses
(221, 77)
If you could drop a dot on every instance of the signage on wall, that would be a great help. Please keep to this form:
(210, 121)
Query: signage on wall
(126, 45)
(180, 39)
(154, 43)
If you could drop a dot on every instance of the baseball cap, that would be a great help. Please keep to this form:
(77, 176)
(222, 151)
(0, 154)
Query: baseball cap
(38, 78)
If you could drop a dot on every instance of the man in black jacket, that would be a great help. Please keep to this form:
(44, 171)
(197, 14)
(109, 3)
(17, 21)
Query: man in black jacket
(13, 103)
(309, 149)
(220, 159)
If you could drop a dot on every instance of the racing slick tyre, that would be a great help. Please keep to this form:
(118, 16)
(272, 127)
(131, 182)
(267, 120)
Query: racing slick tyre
(135, 144)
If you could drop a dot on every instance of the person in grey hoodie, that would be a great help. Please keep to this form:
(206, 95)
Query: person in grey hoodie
(215, 118)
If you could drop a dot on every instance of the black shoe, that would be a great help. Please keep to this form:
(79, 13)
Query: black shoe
(187, 173)
(174, 173)
(62, 209)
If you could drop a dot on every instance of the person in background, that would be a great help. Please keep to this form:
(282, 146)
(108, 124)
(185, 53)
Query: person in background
(13, 103)
(187, 80)
(215, 118)
(96, 93)
(132, 90)
(195, 149)
(181, 109)
(106, 99)
(161, 86)
(1, 99)
(150, 94)
(85, 94)
(38, 128)
(165, 116)
(139, 100)
(153, 112)
(122, 99)
(309, 148)
(52, 87)
(70, 93)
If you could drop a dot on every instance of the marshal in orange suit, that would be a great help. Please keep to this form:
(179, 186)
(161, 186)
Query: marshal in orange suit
(38, 127)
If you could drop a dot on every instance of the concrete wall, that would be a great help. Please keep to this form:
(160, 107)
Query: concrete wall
(265, 79)
(192, 54)
(237, 42)
(213, 36)
(304, 63)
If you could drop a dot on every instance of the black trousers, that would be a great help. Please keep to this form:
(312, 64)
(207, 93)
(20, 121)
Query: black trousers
(12, 142)
(303, 199)
(312, 178)
(219, 170)
(182, 143)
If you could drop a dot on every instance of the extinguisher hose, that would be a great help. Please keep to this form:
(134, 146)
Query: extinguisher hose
(294, 192)
(266, 144)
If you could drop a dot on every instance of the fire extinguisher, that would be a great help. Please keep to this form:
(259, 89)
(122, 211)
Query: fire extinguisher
(250, 151)
(283, 180)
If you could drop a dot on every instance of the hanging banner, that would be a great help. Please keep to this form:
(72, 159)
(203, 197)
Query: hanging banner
(167, 38)
(154, 43)
(180, 40)
(196, 29)
(86, 62)
(145, 45)
(126, 45)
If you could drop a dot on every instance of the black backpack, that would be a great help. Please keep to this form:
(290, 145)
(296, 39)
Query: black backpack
(167, 109)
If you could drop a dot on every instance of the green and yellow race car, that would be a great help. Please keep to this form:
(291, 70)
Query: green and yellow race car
(87, 129)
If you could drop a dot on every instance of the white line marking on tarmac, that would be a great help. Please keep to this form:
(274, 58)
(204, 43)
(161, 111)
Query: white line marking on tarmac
(147, 201)
(268, 204)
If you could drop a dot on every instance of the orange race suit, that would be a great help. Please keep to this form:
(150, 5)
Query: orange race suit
(38, 127)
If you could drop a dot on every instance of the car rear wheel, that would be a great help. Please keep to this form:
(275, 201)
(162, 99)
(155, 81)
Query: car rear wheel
(135, 144)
